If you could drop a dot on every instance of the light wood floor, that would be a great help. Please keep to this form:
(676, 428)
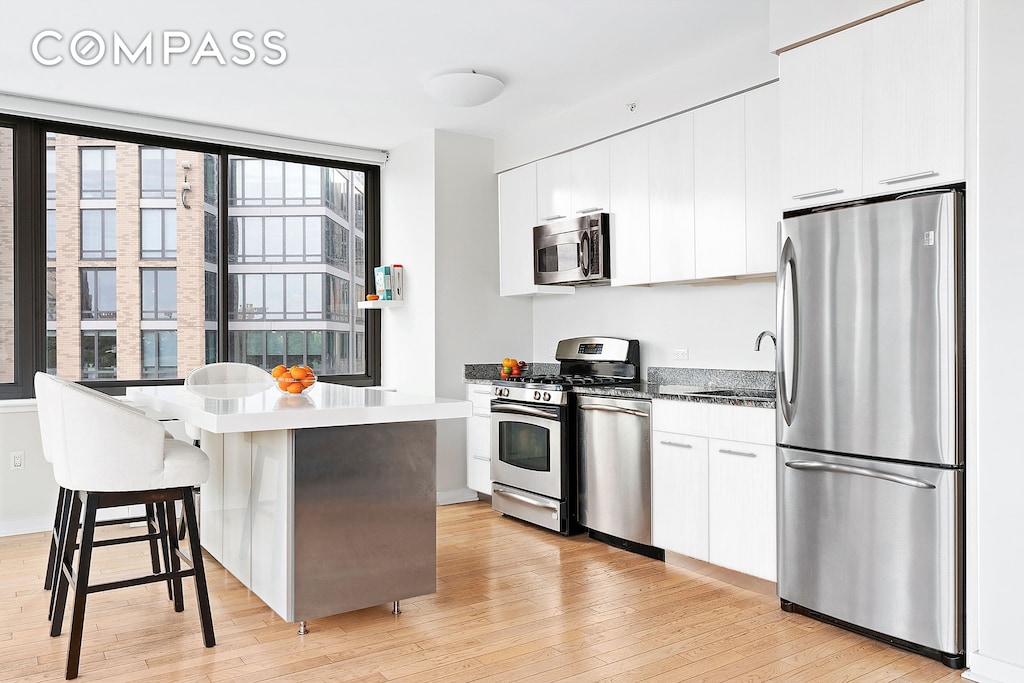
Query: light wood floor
(514, 603)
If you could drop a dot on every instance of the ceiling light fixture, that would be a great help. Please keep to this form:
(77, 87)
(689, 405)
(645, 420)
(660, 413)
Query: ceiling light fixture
(464, 88)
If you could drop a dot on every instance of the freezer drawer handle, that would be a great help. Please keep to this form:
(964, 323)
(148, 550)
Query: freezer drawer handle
(480, 457)
(862, 471)
(524, 499)
(614, 409)
(676, 444)
(905, 178)
(817, 193)
(729, 451)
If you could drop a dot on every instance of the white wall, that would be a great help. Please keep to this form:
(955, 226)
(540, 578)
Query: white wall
(730, 68)
(718, 323)
(440, 221)
(27, 496)
(995, 460)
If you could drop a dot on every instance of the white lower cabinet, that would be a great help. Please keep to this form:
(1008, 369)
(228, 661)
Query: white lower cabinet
(478, 439)
(741, 506)
(680, 493)
(714, 484)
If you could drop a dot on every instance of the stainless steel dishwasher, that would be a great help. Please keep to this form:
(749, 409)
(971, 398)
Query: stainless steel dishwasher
(614, 439)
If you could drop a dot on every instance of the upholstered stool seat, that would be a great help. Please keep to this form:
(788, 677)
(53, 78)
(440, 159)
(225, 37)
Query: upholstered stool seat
(108, 455)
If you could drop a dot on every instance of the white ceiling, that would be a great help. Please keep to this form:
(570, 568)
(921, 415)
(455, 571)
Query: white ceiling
(355, 69)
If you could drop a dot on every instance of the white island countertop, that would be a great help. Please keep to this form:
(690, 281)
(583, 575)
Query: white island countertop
(223, 408)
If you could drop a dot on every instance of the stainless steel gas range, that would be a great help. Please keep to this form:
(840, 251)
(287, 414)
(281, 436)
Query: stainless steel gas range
(534, 463)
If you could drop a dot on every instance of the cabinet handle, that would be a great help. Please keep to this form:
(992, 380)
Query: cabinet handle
(552, 218)
(905, 178)
(677, 444)
(745, 454)
(480, 457)
(481, 391)
(818, 193)
(590, 210)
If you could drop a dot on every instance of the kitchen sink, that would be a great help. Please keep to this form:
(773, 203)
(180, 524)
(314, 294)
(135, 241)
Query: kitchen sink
(762, 394)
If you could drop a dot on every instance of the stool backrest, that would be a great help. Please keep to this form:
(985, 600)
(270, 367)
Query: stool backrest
(228, 373)
(95, 442)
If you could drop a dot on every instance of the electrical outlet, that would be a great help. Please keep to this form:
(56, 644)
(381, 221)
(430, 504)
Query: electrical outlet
(681, 354)
(551, 352)
(17, 460)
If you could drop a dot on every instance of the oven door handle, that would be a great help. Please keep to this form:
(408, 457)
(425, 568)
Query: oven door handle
(523, 410)
(524, 499)
(614, 409)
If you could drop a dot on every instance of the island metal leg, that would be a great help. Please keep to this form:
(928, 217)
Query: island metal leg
(396, 609)
(302, 628)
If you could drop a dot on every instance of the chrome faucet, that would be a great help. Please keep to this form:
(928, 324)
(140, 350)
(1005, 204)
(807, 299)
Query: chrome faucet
(757, 344)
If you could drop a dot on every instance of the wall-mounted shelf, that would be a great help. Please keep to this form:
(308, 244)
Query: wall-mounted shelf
(379, 303)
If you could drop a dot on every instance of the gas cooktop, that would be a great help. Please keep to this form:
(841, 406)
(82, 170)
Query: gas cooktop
(558, 381)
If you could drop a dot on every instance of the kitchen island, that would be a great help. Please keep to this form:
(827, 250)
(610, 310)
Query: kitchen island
(321, 502)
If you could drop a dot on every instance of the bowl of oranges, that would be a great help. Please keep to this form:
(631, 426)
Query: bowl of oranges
(293, 380)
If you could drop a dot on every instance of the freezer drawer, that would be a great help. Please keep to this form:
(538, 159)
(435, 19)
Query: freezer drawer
(874, 544)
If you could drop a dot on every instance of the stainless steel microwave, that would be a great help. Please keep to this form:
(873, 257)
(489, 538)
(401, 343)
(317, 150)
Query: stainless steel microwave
(572, 252)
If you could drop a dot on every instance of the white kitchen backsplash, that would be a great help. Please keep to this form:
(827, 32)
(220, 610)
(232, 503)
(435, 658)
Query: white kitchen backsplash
(716, 323)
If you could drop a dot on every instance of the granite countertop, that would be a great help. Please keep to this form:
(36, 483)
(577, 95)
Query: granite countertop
(752, 388)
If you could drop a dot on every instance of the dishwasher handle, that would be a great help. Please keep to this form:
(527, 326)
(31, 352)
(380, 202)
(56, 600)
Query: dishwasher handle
(614, 409)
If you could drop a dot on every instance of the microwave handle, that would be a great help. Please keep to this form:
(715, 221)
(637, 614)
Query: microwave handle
(584, 253)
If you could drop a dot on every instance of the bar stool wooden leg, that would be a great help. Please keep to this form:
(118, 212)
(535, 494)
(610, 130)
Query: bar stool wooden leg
(51, 562)
(157, 523)
(64, 502)
(60, 588)
(81, 585)
(175, 566)
(202, 594)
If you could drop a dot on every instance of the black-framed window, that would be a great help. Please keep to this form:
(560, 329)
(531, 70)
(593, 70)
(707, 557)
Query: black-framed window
(211, 235)
(99, 233)
(287, 296)
(28, 342)
(99, 172)
(159, 233)
(51, 173)
(51, 294)
(157, 167)
(326, 351)
(98, 293)
(272, 182)
(99, 354)
(210, 300)
(51, 234)
(159, 293)
(281, 239)
(159, 354)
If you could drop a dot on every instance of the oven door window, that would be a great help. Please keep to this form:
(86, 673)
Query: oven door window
(525, 446)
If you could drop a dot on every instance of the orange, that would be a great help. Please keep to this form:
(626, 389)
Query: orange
(295, 388)
(308, 381)
(284, 384)
(297, 372)
(278, 371)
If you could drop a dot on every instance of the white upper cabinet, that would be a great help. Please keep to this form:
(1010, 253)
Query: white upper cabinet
(553, 189)
(671, 199)
(589, 171)
(876, 108)
(719, 189)
(762, 178)
(517, 214)
(630, 209)
(820, 106)
(914, 97)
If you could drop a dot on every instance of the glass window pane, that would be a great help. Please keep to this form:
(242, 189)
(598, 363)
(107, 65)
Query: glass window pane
(293, 180)
(294, 288)
(273, 231)
(51, 234)
(275, 295)
(294, 234)
(273, 179)
(167, 293)
(151, 230)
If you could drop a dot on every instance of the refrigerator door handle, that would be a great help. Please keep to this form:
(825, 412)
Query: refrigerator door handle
(787, 273)
(860, 471)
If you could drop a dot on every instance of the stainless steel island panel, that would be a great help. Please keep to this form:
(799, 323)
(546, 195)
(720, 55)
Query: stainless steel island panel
(364, 517)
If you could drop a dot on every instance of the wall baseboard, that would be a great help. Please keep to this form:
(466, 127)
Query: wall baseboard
(455, 496)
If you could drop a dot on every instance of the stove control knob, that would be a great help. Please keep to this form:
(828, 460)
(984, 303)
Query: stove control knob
(547, 396)
(504, 392)
(497, 391)
(536, 396)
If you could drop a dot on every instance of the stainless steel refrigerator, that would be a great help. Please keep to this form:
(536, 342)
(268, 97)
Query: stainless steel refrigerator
(870, 419)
